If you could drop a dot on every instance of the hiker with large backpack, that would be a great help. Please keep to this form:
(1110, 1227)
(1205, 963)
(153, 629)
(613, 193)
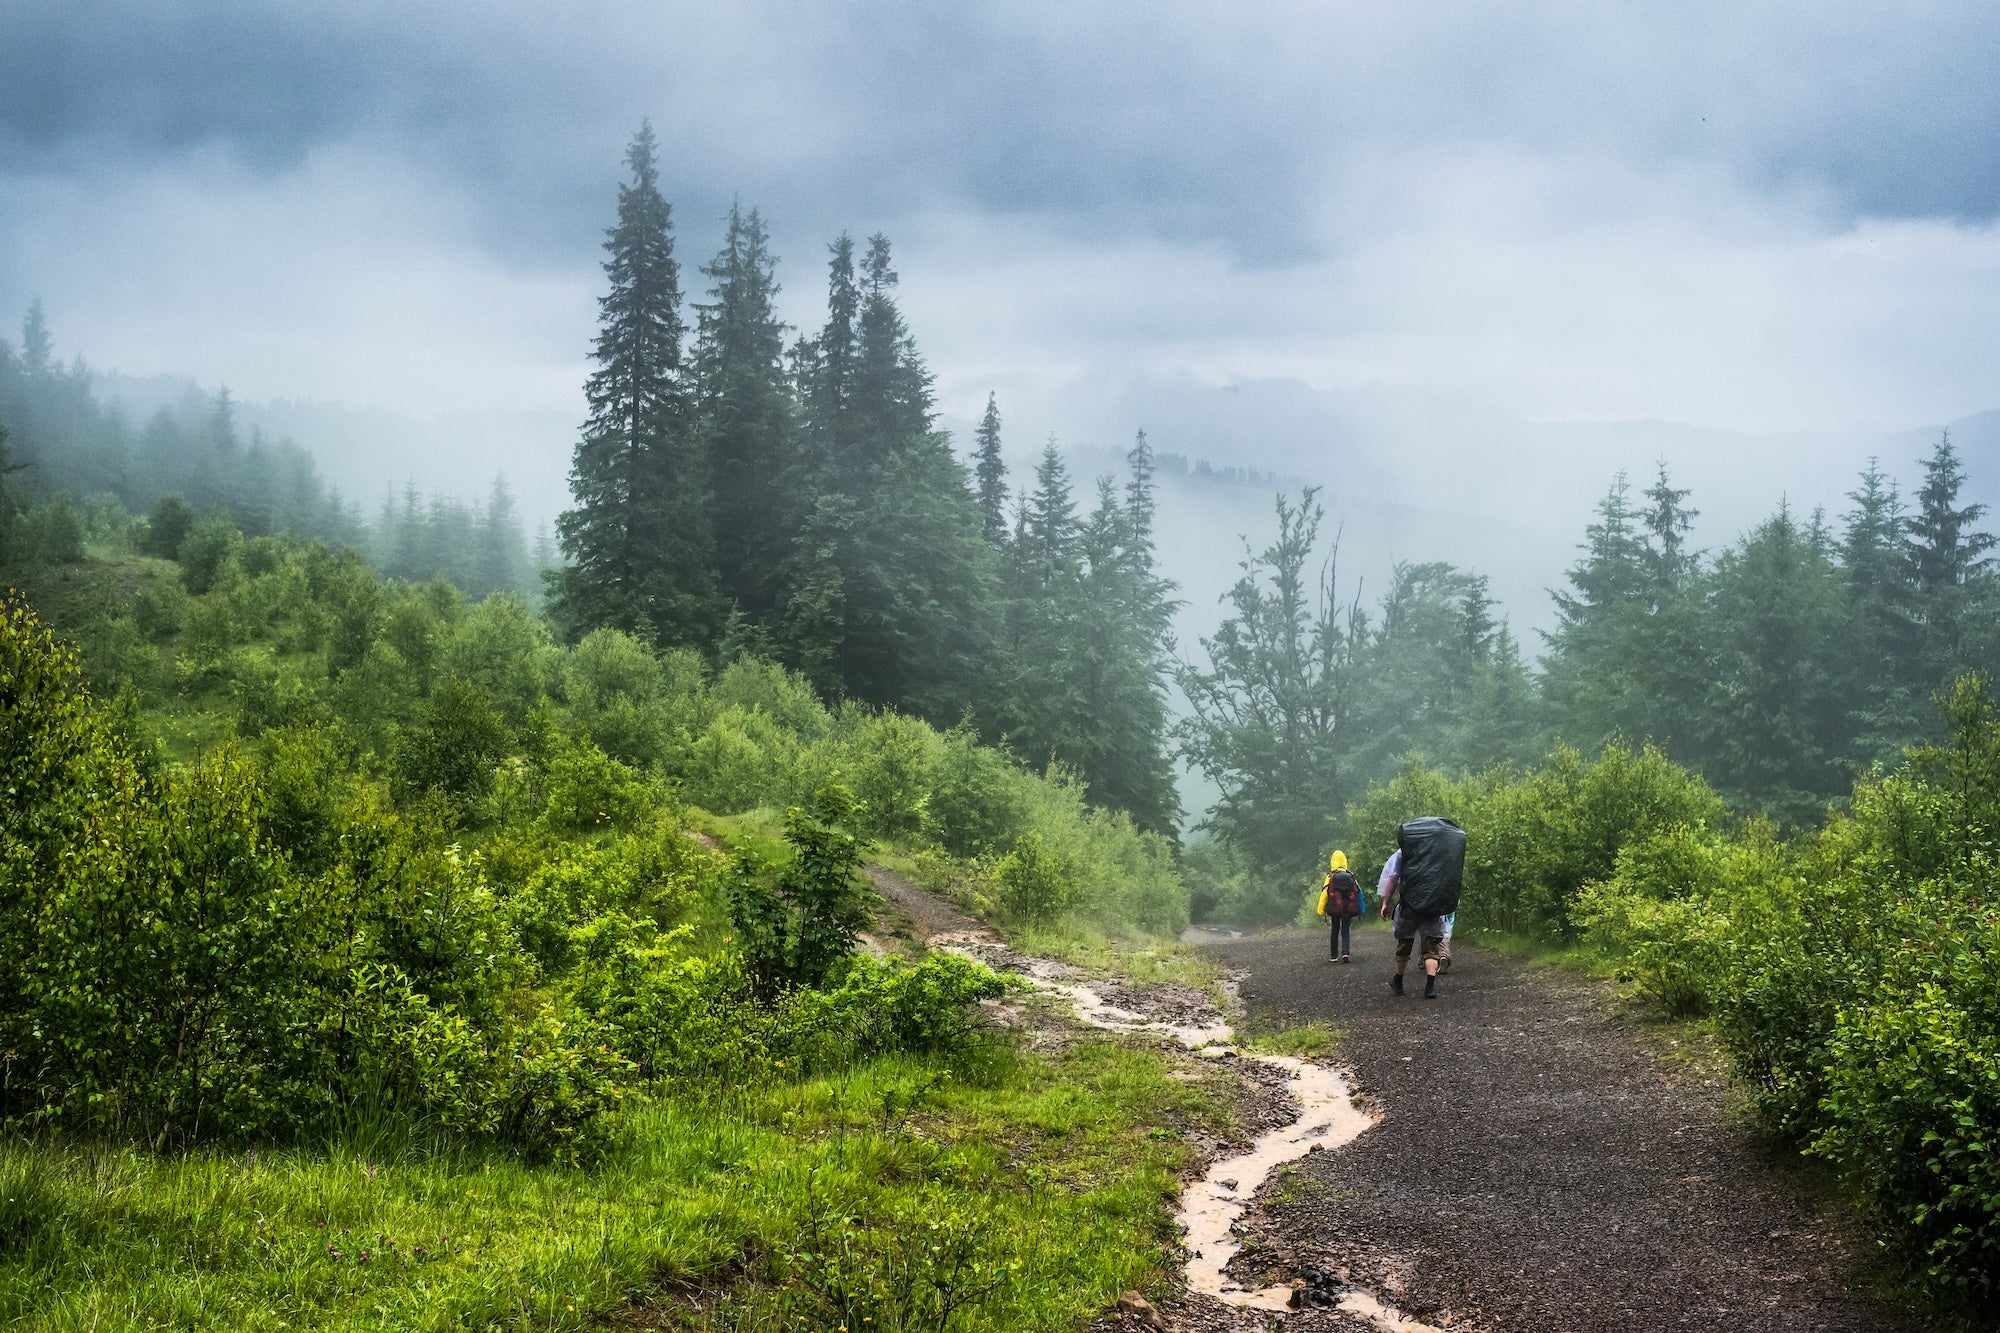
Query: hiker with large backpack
(1429, 876)
(1340, 902)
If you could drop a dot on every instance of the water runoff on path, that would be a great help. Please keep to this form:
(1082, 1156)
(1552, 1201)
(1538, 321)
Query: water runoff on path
(1212, 1206)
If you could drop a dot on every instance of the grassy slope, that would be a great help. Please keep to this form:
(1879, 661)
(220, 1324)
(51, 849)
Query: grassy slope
(709, 1194)
(1052, 1171)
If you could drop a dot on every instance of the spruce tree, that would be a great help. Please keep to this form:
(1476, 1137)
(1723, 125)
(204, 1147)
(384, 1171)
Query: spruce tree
(500, 544)
(1121, 622)
(825, 373)
(1667, 519)
(37, 348)
(1774, 715)
(1139, 504)
(638, 541)
(889, 583)
(1947, 557)
(892, 389)
(1945, 550)
(990, 470)
(1591, 675)
(748, 418)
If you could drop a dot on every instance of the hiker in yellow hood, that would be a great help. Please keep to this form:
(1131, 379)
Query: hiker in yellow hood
(1340, 903)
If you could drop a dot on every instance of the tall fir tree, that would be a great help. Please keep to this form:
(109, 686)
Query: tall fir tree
(990, 472)
(825, 374)
(37, 347)
(638, 541)
(1948, 560)
(1124, 623)
(749, 418)
(1667, 518)
(892, 389)
(1588, 673)
(886, 594)
(501, 544)
(1773, 716)
(1139, 502)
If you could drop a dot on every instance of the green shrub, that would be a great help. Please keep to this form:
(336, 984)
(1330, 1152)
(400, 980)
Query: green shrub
(451, 748)
(1911, 1111)
(976, 807)
(1535, 839)
(588, 790)
(889, 761)
(207, 553)
(159, 609)
(1036, 884)
(799, 920)
(171, 522)
(741, 760)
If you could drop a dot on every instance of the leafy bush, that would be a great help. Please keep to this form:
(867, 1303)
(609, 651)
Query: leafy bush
(452, 747)
(171, 522)
(1535, 839)
(1036, 884)
(589, 790)
(976, 805)
(205, 554)
(1912, 1105)
(741, 760)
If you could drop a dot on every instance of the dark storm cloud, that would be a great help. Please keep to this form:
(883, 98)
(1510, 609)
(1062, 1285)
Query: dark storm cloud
(1224, 124)
(88, 84)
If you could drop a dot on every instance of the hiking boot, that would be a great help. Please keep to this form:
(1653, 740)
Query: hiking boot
(1430, 988)
(1396, 984)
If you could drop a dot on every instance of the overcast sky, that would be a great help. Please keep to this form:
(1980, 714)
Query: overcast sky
(1776, 217)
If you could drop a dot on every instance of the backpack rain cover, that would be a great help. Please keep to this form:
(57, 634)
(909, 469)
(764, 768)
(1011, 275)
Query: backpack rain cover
(1433, 871)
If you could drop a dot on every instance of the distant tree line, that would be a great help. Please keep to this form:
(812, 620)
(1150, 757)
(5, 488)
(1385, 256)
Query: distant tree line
(73, 469)
(1779, 668)
(738, 490)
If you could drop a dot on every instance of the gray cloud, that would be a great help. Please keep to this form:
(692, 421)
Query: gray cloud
(1196, 122)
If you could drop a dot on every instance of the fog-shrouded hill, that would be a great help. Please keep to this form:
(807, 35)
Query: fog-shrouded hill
(1411, 476)
(1404, 475)
(363, 451)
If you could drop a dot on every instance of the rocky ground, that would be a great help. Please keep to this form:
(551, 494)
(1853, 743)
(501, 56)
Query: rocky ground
(1539, 1162)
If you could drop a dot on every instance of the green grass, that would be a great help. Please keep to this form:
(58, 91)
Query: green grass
(1307, 1040)
(73, 596)
(1136, 961)
(1043, 1169)
(1528, 949)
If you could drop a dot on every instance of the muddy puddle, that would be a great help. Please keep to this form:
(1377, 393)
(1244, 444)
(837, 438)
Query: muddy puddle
(1212, 1206)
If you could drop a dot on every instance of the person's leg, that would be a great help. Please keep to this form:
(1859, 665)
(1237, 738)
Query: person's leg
(1431, 943)
(1346, 932)
(1402, 961)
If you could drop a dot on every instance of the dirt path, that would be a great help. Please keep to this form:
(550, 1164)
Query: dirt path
(1538, 1164)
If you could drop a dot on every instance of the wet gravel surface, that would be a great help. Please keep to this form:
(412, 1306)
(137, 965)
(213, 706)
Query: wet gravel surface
(1539, 1164)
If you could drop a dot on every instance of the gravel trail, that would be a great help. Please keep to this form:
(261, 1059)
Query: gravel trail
(1539, 1163)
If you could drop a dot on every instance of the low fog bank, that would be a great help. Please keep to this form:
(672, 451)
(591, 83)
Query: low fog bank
(1404, 475)
(363, 451)
(1414, 476)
